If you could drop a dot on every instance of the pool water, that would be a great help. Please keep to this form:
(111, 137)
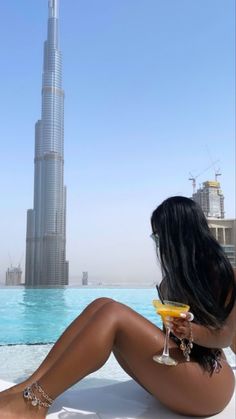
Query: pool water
(39, 316)
(32, 319)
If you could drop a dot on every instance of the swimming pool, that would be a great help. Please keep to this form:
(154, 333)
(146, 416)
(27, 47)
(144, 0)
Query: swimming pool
(39, 316)
(32, 319)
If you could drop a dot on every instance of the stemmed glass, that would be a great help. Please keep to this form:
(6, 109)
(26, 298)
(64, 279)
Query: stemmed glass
(165, 309)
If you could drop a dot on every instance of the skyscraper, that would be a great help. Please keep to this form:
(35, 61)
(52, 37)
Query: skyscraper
(211, 199)
(46, 223)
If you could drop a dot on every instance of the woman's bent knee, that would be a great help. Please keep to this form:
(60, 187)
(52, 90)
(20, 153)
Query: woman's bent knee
(103, 300)
(96, 305)
(99, 302)
(116, 311)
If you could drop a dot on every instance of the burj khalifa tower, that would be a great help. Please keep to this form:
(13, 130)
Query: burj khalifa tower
(46, 263)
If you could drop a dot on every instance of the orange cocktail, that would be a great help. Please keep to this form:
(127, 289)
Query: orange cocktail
(168, 309)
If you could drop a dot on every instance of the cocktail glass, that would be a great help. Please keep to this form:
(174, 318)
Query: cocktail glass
(168, 309)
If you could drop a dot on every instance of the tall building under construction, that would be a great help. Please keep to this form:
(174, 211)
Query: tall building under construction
(46, 223)
(211, 199)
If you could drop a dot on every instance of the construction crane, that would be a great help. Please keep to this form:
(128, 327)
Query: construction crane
(217, 173)
(193, 178)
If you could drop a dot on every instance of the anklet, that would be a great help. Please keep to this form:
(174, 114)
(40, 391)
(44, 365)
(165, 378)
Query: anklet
(40, 390)
(187, 347)
(29, 395)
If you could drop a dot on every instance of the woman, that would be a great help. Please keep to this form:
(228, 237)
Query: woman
(196, 272)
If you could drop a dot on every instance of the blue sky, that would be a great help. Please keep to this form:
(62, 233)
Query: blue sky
(149, 91)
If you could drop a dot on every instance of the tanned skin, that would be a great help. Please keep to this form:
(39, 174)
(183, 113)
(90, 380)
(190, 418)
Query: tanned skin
(107, 326)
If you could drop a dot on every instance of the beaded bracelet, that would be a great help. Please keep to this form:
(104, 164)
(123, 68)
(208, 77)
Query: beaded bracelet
(29, 395)
(40, 390)
(186, 347)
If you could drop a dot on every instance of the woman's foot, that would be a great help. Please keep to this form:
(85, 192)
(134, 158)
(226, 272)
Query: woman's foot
(16, 388)
(14, 406)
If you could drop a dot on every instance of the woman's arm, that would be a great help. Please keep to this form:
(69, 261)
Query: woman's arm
(204, 336)
(216, 338)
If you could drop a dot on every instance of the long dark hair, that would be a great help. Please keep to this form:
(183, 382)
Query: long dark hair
(194, 265)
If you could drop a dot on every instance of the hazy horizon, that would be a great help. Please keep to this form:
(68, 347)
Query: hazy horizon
(149, 97)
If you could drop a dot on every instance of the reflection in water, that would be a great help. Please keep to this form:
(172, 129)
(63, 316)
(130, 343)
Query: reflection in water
(44, 314)
(33, 316)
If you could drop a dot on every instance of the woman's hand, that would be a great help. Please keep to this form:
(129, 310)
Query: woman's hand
(180, 326)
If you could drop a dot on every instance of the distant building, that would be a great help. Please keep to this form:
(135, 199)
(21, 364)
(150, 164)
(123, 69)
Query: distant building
(13, 275)
(225, 232)
(211, 199)
(85, 278)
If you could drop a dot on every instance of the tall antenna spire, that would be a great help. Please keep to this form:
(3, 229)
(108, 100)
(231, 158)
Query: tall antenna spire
(53, 8)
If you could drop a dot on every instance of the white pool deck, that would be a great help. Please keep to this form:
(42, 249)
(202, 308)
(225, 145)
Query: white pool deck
(97, 399)
(109, 393)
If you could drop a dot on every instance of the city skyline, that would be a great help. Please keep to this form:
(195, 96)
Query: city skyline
(45, 262)
(149, 98)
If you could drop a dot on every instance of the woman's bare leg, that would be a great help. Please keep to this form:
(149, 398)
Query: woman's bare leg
(68, 336)
(115, 326)
(62, 343)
